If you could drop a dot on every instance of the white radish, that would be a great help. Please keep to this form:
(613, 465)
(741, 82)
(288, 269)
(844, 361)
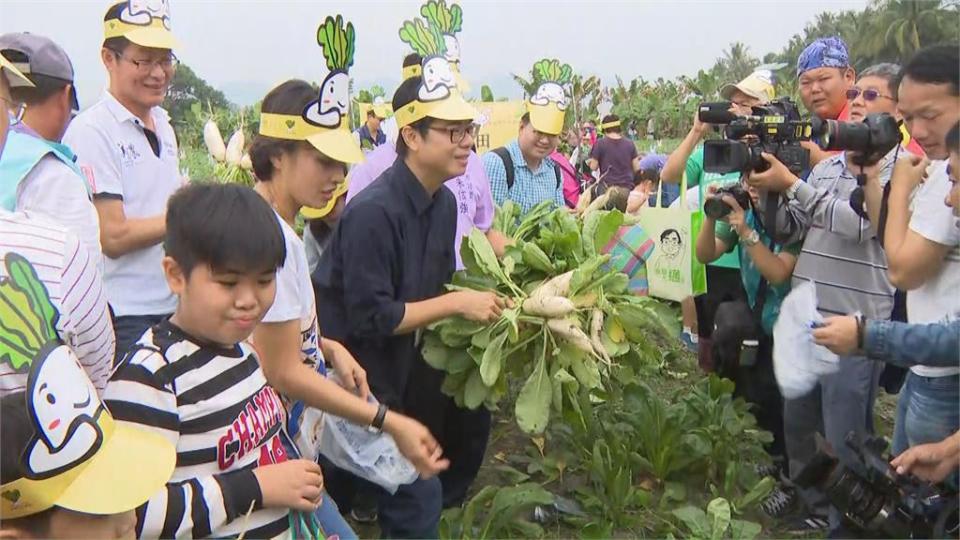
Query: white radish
(214, 141)
(235, 148)
(245, 162)
(558, 286)
(596, 327)
(570, 332)
(548, 306)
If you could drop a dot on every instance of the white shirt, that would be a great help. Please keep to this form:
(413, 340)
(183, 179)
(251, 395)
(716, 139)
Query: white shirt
(111, 141)
(53, 189)
(73, 282)
(295, 300)
(937, 300)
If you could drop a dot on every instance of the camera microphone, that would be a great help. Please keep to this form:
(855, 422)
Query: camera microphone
(716, 113)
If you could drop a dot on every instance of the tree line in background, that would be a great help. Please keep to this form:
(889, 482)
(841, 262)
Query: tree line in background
(885, 31)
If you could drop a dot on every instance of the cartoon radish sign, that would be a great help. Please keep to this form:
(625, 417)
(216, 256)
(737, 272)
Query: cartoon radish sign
(437, 79)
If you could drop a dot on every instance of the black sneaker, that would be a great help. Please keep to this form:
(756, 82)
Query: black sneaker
(779, 502)
(364, 515)
(808, 525)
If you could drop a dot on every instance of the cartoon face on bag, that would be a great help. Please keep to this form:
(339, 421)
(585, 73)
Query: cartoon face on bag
(437, 79)
(65, 407)
(142, 12)
(550, 92)
(671, 244)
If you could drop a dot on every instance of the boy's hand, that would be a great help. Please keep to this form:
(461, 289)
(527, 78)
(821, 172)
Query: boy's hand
(352, 377)
(416, 444)
(296, 484)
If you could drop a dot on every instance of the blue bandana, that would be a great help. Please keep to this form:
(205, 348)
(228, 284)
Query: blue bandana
(824, 52)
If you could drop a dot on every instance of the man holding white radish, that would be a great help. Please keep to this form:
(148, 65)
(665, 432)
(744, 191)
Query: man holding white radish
(128, 144)
(381, 281)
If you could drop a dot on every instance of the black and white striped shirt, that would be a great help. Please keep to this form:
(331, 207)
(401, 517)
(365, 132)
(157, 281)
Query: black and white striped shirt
(217, 409)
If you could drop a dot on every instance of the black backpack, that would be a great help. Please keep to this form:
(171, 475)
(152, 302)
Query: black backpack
(511, 174)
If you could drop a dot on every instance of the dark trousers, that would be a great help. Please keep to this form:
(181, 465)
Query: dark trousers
(723, 285)
(128, 330)
(464, 442)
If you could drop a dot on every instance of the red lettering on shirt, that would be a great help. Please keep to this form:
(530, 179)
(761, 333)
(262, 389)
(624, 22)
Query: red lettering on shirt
(248, 431)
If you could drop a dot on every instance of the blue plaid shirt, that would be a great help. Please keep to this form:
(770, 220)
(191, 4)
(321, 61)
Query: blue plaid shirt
(530, 188)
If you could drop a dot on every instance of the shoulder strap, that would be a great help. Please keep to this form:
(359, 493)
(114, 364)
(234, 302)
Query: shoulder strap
(507, 165)
(556, 171)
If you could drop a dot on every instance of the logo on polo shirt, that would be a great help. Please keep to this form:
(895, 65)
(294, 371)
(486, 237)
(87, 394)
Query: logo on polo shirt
(129, 154)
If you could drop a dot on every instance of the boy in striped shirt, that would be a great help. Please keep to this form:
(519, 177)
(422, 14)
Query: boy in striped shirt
(194, 380)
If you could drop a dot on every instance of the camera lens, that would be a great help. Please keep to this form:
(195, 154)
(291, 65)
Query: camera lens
(715, 208)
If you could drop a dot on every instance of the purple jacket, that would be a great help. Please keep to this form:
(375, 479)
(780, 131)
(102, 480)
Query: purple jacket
(475, 206)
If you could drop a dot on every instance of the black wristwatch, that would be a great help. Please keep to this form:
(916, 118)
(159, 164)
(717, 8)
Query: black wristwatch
(377, 425)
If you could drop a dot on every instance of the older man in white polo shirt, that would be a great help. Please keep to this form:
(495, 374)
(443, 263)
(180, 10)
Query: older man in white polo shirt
(128, 143)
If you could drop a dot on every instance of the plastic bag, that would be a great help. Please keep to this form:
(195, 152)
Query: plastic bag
(371, 456)
(798, 362)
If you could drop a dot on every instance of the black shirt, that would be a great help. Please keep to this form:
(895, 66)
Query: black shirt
(392, 245)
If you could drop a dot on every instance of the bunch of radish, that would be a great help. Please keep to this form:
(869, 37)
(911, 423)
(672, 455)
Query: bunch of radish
(232, 163)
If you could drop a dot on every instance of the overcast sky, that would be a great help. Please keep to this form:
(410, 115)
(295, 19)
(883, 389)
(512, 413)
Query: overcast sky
(245, 46)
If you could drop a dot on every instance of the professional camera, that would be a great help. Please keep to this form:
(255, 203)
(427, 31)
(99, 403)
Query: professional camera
(870, 140)
(775, 128)
(715, 208)
(873, 498)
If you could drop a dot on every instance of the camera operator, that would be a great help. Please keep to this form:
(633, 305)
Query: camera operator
(743, 337)
(825, 75)
(843, 257)
(723, 275)
(922, 240)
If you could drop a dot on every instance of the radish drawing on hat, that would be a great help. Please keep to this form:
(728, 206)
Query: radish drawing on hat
(338, 44)
(448, 21)
(438, 80)
(62, 402)
(554, 76)
(142, 12)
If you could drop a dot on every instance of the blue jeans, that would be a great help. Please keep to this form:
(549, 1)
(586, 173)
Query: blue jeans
(331, 522)
(926, 411)
(128, 330)
(413, 511)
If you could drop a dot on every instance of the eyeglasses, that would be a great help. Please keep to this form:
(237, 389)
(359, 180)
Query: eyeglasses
(868, 95)
(14, 110)
(168, 63)
(459, 133)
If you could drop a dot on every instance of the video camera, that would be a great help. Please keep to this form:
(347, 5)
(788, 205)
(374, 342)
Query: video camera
(776, 128)
(873, 498)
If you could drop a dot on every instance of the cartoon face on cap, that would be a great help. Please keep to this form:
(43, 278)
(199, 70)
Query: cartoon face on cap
(453, 48)
(550, 92)
(437, 79)
(333, 102)
(65, 406)
(142, 12)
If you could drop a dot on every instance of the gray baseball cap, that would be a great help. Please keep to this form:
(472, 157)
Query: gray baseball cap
(35, 55)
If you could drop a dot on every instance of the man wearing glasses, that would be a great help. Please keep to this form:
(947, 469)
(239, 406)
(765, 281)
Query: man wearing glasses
(41, 175)
(381, 281)
(536, 176)
(876, 92)
(128, 144)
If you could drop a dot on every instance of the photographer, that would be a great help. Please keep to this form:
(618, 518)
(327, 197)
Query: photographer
(723, 275)
(843, 257)
(922, 240)
(743, 340)
(825, 75)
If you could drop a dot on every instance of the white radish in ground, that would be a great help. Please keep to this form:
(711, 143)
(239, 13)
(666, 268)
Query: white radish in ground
(214, 141)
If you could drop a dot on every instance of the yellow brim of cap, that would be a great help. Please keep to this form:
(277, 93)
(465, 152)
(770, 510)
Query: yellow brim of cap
(337, 144)
(381, 111)
(317, 213)
(462, 83)
(453, 108)
(155, 38)
(546, 118)
(130, 467)
(7, 65)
